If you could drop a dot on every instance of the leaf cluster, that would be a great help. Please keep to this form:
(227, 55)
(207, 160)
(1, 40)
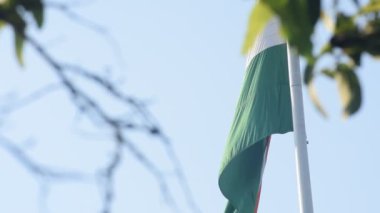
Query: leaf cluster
(15, 13)
(352, 35)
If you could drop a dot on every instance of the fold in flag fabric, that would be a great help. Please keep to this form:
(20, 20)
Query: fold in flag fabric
(264, 108)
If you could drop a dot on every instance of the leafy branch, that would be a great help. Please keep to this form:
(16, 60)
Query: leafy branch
(352, 36)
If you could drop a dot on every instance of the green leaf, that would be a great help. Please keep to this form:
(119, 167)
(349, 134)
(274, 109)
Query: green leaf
(315, 100)
(329, 73)
(371, 37)
(260, 15)
(36, 7)
(345, 24)
(373, 6)
(38, 14)
(327, 22)
(349, 89)
(327, 48)
(6, 3)
(349, 38)
(308, 80)
(314, 10)
(308, 74)
(298, 18)
(19, 45)
(2, 24)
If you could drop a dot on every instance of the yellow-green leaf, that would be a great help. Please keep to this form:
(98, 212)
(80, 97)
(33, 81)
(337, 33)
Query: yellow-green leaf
(260, 15)
(328, 22)
(373, 6)
(38, 17)
(349, 89)
(298, 18)
(19, 45)
(315, 100)
(2, 24)
(4, 3)
(35, 7)
(38, 13)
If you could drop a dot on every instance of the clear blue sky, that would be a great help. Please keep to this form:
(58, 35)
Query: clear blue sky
(183, 57)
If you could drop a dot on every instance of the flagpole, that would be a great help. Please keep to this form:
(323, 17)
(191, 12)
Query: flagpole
(302, 165)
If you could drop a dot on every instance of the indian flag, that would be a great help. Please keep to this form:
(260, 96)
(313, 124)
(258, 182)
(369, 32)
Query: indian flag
(264, 108)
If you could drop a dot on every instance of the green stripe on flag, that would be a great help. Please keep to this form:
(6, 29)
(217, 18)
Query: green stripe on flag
(264, 108)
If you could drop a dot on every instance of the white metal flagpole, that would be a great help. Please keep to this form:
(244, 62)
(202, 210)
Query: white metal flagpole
(300, 141)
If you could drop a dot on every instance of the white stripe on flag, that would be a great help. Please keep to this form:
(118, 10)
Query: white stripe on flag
(269, 37)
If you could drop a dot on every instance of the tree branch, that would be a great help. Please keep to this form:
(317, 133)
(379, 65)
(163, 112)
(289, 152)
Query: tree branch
(88, 104)
(37, 169)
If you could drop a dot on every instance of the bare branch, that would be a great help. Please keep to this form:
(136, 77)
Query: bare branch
(151, 128)
(119, 126)
(31, 98)
(66, 9)
(37, 169)
(84, 101)
(180, 174)
(76, 18)
(108, 175)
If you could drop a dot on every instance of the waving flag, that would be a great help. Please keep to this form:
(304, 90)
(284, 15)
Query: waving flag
(264, 108)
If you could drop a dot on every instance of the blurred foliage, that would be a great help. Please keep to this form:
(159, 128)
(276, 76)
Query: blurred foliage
(15, 13)
(352, 36)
